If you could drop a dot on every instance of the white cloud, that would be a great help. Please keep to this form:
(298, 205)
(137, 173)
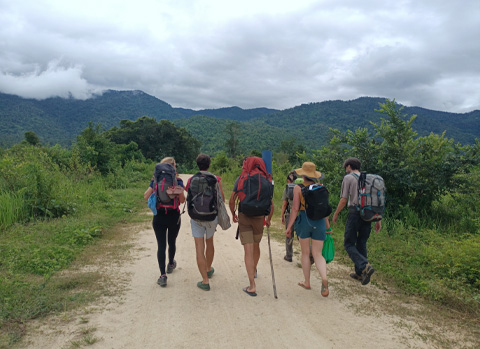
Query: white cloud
(54, 81)
(212, 53)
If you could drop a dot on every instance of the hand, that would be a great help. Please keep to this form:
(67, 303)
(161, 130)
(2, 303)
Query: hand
(267, 222)
(335, 218)
(283, 219)
(234, 218)
(288, 233)
(378, 226)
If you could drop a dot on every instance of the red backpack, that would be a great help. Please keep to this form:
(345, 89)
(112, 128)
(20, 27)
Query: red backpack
(255, 188)
(165, 179)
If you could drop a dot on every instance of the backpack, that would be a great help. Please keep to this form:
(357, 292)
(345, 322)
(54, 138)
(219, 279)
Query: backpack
(202, 197)
(371, 196)
(316, 201)
(289, 188)
(165, 178)
(255, 188)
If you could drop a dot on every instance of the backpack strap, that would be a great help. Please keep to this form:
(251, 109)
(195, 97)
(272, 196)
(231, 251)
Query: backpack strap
(302, 198)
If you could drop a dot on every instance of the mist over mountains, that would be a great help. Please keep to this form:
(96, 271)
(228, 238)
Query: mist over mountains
(59, 120)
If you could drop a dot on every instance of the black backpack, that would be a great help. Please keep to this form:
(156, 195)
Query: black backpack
(258, 192)
(202, 197)
(164, 178)
(254, 188)
(316, 201)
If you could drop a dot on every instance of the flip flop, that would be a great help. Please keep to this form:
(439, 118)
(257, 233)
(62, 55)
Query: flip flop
(253, 294)
(301, 284)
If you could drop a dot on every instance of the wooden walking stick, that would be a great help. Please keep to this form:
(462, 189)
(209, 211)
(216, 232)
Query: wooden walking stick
(271, 264)
(267, 158)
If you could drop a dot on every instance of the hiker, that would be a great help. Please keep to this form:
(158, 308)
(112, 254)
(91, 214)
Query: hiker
(309, 230)
(254, 190)
(203, 188)
(357, 231)
(166, 223)
(287, 199)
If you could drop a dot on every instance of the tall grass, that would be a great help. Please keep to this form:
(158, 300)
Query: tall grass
(11, 209)
(66, 209)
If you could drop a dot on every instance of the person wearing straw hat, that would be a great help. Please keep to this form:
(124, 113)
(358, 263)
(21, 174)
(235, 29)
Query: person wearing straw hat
(308, 229)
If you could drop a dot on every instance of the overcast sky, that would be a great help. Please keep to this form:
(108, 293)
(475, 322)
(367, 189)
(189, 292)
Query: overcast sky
(249, 53)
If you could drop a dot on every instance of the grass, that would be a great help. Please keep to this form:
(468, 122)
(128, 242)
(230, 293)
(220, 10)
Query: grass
(33, 256)
(415, 258)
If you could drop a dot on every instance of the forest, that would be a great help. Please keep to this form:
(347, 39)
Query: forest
(59, 120)
(55, 200)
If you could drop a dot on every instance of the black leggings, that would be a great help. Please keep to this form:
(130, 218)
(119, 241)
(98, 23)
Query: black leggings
(161, 224)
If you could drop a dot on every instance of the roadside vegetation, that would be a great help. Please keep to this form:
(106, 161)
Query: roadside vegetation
(55, 202)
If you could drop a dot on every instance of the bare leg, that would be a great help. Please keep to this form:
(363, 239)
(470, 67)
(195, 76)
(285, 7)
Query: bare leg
(320, 263)
(305, 259)
(256, 253)
(201, 261)
(209, 253)
(250, 266)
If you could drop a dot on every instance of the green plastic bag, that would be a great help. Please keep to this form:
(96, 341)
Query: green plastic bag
(328, 251)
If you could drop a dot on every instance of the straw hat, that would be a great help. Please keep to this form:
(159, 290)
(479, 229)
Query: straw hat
(309, 169)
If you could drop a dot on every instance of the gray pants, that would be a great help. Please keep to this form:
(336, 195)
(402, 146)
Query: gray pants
(289, 241)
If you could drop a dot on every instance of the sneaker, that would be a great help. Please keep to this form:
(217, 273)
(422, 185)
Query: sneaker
(356, 276)
(210, 273)
(205, 287)
(171, 266)
(366, 274)
(288, 259)
(162, 280)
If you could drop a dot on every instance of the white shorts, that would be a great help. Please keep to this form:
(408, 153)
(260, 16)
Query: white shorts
(202, 228)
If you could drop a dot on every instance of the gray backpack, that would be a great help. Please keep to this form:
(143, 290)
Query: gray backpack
(371, 196)
(202, 197)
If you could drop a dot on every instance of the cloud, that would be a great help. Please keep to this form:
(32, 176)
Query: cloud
(212, 53)
(55, 80)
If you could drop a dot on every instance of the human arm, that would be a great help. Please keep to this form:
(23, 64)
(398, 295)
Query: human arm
(231, 204)
(269, 217)
(284, 207)
(378, 226)
(221, 190)
(147, 193)
(341, 204)
(328, 226)
(181, 197)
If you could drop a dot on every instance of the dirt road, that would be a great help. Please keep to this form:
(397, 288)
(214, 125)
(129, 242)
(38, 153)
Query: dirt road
(183, 316)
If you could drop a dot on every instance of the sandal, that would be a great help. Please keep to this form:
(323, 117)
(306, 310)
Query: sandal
(210, 273)
(253, 294)
(201, 285)
(325, 291)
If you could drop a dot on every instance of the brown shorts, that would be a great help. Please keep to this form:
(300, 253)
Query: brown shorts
(250, 228)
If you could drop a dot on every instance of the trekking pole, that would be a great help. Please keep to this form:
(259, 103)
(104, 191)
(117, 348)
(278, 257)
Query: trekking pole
(271, 264)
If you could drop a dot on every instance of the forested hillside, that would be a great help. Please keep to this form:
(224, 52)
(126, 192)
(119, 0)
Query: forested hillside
(60, 121)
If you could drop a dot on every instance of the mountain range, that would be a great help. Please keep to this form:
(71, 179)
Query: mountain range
(59, 120)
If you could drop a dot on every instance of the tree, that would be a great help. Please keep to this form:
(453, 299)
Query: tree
(157, 140)
(32, 138)
(292, 149)
(232, 145)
